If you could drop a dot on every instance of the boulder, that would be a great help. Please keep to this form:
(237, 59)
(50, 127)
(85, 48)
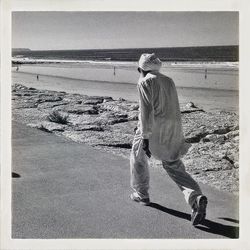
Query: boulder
(190, 108)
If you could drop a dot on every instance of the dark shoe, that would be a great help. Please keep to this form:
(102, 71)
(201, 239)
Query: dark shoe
(199, 210)
(142, 201)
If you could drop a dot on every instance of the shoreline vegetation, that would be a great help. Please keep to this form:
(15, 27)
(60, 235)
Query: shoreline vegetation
(108, 124)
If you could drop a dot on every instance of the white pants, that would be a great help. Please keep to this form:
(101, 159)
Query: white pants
(175, 169)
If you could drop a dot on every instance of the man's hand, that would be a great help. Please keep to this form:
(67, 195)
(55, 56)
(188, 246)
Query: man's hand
(145, 147)
(135, 129)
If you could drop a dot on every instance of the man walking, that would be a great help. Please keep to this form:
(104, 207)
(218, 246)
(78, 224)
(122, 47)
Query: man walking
(159, 133)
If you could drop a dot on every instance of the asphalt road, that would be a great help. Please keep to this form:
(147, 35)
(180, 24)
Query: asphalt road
(63, 189)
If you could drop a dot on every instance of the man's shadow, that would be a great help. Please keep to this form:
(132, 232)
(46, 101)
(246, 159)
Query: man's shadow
(207, 225)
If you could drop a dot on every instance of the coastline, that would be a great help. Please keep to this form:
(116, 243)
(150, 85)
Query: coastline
(217, 91)
(107, 124)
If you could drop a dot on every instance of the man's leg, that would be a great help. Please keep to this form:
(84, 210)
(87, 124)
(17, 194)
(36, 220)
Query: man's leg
(190, 189)
(139, 169)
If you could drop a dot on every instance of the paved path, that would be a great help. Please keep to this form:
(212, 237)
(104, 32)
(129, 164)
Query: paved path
(70, 190)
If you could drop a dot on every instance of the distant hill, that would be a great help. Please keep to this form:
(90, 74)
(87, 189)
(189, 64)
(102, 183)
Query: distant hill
(20, 50)
(208, 53)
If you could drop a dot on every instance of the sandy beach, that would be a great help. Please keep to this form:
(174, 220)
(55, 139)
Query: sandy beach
(215, 91)
(107, 124)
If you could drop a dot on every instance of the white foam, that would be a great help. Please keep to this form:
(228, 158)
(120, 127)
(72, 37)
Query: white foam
(190, 64)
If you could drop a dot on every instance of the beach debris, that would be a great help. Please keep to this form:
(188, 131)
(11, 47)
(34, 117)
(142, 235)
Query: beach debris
(57, 117)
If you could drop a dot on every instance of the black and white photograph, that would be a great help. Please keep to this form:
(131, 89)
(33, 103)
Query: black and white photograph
(125, 125)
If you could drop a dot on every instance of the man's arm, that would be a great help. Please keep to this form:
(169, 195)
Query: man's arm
(145, 116)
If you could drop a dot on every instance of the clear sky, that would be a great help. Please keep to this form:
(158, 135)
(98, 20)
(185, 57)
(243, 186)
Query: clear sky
(108, 30)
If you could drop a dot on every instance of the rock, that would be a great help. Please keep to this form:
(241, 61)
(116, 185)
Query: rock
(221, 131)
(27, 94)
(48, 126)
(195, 136)
(236, 165)
(50, 105)
(116, 145)
(81, 109)
(107, 99)
(109, 125)
(117, 106)
(88, 127)
(52, 99)
(190, 105)
(235, 127)
(50, 96)
(111, 118)
(133, 116)
(214, 138)
(121, 99)
(232, 134)
(117, 120)
(135, 107)
(19, 87)
(24, 105)
(73, 99)
(190, 108)
(93, 101)
(236, 139)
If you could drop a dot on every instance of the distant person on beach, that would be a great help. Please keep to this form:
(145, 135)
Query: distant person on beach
(37, 77)
(114, 70)
(205, 73)
(17, 68)
(159, 133)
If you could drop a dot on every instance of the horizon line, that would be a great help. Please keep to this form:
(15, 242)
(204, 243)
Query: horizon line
(199, 46)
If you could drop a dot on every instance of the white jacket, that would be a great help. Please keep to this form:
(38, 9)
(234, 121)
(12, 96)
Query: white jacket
(160, 117)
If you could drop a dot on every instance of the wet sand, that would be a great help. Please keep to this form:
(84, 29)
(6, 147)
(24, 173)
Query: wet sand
(209, 99)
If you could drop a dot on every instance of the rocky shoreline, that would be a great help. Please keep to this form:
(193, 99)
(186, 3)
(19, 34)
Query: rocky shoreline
(109, 124)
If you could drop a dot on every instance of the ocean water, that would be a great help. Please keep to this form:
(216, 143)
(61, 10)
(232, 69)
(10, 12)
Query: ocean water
(211, 87)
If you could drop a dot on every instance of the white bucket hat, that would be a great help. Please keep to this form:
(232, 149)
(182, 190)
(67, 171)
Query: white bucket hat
(149, 62)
